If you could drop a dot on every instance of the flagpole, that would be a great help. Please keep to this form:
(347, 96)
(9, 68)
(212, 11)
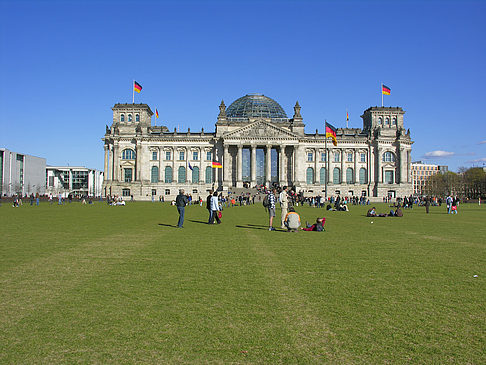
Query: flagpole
(347, 118)
(133, 92)
(382, 95)
(325, 151)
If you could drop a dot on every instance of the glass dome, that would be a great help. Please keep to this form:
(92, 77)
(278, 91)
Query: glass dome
(255, 106)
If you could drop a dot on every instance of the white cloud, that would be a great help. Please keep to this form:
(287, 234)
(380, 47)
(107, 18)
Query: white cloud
(482, 159)
(482, 142)
(439, 154)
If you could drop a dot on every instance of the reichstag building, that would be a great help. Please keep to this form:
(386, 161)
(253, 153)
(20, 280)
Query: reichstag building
(256, 143)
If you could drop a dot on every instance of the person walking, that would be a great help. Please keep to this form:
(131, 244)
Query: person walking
(271, 209)
(284, 205)
(181, 202)
(427, 205)
(455, 205)
(214, 208)
(208, 206)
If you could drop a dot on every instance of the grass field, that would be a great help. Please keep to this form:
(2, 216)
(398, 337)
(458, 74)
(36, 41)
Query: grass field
(100, 284)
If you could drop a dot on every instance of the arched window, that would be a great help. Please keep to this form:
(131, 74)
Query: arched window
(336, 176)
(181, 176)
(322, 176)
(137, 117)
(195, 175)
(128, 154)
(310, 175)
(122, 118)
(337, 156)
(387, 122)
(154, 176)
(380, 121)
(349, 175)
(394, 121)
(388, 157)
(362, 176)
(168, 174)
(130, 117)
(209, 175)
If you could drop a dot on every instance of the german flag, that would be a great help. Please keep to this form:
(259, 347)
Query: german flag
(217, 165)
(156, 113)
(385, 90)
(331, 132)
(137, 87)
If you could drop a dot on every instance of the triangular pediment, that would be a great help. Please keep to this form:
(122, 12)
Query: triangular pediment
(260, 130)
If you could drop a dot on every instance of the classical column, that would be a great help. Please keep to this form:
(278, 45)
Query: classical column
(268, 165)
(115, 165)
(226, 166)
(356, 175)
(403, 170)
(378, 166)
(239, 167)
(253, 165)
(138, 162)
(160, 164)
(316, 151)
(105, 175)
(343, 173)
(281, 165)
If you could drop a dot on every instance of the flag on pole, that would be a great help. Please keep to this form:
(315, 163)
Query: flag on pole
(347, 116)
(137, 87)
(217, 165)
(331, 132)
(156, 113)
(385, 90)
(190, 167)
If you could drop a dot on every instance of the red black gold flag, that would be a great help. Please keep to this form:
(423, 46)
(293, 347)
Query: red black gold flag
(217, 165)
(385, 90)
(331, 132)
(137, 87)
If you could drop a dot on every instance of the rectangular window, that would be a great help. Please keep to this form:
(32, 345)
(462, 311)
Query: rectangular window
(323, 157)
(310, 157)
(388, 177)
(128, 175)
(51, 181)
(167, 191)
(363, 157)
(350, 157)
(181, 156)
(126, 192)
(195, 156)
(167, 156)
(209, 156)
(154, 155)
(336, 156)
(154, 192)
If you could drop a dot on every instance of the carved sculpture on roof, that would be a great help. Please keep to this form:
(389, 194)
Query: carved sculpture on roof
(222, 109)
(297, 111)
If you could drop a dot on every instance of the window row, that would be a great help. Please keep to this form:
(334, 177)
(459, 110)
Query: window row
(387, 121)
(336, 156)
(130, 117)
(168, 175)
(336, 176)
(129, 154)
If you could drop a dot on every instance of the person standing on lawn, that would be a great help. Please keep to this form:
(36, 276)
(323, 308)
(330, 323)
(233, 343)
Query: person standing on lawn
(181, 202)
(271, 209)
(284, 205)
(214, 208)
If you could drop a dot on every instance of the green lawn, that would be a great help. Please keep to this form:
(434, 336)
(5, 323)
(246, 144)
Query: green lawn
(100, 284)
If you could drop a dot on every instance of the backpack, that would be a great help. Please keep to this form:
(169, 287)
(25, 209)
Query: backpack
(266, 201)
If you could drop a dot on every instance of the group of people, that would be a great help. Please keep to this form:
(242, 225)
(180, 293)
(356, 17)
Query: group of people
(393, 213)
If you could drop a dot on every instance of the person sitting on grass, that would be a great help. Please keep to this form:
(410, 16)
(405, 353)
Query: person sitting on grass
(371, 212)
(318, 226)
(292, 220)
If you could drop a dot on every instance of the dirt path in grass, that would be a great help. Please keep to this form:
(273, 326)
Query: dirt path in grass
(32, 286)
(312, 338)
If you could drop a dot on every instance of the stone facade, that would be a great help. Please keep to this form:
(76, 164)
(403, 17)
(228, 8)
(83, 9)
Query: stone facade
(256, 144)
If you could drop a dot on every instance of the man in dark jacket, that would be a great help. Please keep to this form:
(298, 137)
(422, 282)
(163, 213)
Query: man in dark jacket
(181, 202)
(208, 206)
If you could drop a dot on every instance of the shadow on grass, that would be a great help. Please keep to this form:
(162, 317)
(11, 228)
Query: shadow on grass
(168, 225)
(263, 228)
(201, 222)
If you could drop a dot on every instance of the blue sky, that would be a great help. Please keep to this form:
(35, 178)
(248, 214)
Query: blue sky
(64, 64)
